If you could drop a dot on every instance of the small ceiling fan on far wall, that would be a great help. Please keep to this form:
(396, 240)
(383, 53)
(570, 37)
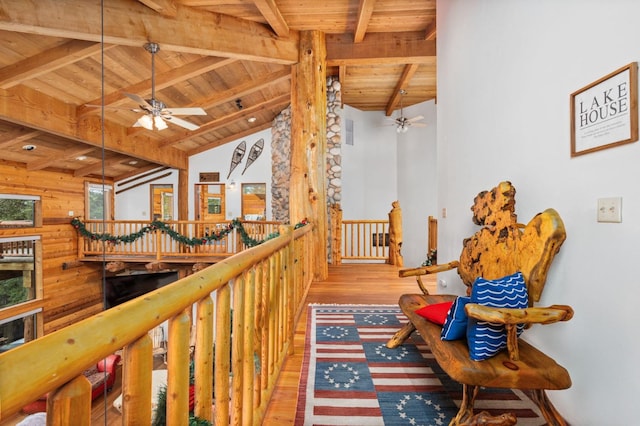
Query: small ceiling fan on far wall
(403, 123)
(156, 114)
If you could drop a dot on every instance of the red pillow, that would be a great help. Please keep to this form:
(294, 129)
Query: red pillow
(435, 313)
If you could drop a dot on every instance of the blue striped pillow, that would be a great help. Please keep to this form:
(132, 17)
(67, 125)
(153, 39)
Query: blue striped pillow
(455, 325)
(487, 339)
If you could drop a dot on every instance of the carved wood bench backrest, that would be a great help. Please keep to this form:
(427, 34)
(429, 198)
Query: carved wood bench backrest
(502, 246)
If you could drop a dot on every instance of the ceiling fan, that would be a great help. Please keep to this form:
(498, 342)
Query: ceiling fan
(403, 123)
(156, 114)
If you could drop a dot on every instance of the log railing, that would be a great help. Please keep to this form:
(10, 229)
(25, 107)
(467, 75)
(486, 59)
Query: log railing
(262, 288)
(363, 239)
(160, 245)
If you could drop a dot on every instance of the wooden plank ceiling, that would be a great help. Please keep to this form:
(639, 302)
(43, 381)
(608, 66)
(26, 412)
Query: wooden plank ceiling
(67, 65)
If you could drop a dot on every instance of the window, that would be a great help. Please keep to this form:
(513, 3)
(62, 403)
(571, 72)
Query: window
(98, 201)
(17, 330)
(19, 211)
(20, 290)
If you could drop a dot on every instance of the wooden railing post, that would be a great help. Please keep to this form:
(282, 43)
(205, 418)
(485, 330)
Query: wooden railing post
(71, 404)
(158, 235)
(395, 235)
(178, 367)
(136, 381)
(335, 213)
(203, 359)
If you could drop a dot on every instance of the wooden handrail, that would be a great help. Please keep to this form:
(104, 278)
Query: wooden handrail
(266, 286)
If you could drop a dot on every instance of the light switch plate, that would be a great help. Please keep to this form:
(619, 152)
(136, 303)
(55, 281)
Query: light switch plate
(610, 209)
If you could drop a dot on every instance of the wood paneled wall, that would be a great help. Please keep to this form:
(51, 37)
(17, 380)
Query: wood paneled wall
(69, 295)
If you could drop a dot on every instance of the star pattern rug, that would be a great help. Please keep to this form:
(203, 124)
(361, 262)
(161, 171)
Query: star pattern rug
(349, 376)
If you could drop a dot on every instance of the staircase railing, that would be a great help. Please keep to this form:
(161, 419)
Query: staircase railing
(248, 303)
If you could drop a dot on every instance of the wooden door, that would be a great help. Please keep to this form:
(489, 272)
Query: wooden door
(211, 202)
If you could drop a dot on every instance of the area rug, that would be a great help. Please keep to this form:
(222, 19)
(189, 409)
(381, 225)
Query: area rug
(349, 376)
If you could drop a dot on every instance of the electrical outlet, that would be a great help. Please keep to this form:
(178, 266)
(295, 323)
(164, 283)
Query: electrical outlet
(610, 209)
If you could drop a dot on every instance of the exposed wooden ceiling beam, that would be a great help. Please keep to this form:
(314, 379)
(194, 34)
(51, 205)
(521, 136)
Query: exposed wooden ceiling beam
(380, 48)
(18, 134)
(162, 81)
(96, 167)
(163, 7)
(233, 137)
(243, 89)
(48, 61)
(227, 119)
(146, 171)
(430, 33)
(365, 9)
(271, 13)
(51, 160)
(133, 24)
(407, 74)
(26, 106)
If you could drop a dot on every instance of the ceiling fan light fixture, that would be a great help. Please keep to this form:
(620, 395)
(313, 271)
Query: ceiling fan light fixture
(146, 122)
(159, 122)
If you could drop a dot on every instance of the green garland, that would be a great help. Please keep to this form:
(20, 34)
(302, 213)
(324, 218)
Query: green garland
(164, 228)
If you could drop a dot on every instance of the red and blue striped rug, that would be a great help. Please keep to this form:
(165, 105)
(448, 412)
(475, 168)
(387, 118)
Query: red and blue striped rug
(349, 376)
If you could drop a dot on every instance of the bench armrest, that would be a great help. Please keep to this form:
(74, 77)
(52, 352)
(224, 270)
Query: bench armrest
(512, 317)
(506, 316)
(426, 270)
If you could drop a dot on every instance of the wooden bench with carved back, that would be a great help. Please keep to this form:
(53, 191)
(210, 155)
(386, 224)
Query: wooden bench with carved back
(500, 248)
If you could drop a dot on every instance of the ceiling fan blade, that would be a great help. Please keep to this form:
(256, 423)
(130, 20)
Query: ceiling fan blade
(417, 118)
(418, 124)
(185, 111)
(138, 99)
(182, 123)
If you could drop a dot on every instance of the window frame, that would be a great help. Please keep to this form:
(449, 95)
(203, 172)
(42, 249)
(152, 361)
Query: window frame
(37, 209)
(35, 305)
(108, 210)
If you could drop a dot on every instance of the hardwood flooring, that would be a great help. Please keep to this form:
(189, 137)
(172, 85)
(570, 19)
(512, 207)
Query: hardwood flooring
(346, 284)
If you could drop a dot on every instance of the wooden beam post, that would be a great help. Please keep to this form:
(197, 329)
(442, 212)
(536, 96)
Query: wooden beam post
(308, 195)
(183, 194)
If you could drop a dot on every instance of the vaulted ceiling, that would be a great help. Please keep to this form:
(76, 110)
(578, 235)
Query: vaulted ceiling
(69, 69)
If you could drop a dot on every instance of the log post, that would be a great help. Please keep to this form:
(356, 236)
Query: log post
(183, 194)
(70, 403)
(308, 198)
(335, 215)
(395, 235)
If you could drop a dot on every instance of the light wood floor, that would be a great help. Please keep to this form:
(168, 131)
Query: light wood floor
(346, 284)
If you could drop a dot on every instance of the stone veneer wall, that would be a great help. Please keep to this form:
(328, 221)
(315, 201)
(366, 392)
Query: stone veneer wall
(281, 149)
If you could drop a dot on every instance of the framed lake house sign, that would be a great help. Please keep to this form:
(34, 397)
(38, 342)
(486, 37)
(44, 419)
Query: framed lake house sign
(604, 114)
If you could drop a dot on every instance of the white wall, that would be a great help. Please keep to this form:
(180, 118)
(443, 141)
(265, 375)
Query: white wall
(383, 166)
(506, 69)
(417, 182)
(135, 203)
(219, 160)
(369, 166)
